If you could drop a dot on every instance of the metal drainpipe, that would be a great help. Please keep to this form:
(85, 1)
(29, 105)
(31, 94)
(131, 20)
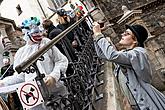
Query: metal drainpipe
(54, 4)
(41, 8)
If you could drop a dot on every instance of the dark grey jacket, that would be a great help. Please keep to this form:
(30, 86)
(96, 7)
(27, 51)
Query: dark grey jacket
(137, 73)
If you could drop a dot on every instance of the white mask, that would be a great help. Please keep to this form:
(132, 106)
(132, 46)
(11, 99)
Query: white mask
(6, 61)
(26, 37)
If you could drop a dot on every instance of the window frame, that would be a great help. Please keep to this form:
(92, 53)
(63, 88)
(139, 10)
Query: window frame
(59, 3)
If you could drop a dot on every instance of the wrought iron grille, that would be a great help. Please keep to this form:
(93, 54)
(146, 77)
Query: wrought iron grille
(81, 83)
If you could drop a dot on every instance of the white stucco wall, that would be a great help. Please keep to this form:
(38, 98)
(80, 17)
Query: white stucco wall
(29, 7)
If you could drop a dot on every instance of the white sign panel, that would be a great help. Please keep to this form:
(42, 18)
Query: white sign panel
(29, 95)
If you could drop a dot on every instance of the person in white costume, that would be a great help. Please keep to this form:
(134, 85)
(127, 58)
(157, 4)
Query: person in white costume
(54, 63)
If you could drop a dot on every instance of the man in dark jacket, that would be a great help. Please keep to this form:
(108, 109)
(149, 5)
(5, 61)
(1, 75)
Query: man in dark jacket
(64, 44)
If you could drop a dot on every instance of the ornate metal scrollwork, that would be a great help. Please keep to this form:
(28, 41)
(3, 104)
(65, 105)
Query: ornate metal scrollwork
(32, 68)
(81, 83)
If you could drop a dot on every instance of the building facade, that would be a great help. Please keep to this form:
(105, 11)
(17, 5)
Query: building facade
(150, 13)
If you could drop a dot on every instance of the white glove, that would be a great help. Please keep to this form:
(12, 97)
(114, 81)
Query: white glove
(49, 81)
(96, 29)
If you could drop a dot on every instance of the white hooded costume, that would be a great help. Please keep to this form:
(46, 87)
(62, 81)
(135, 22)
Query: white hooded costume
(54, 63)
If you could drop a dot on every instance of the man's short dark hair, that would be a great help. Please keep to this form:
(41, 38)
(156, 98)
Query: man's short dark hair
(47, 23)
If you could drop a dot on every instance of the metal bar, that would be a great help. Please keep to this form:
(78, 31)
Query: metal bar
(29, 61)
(41, 8)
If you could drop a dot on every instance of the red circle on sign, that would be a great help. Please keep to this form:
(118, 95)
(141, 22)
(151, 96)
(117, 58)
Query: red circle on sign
(35, 97)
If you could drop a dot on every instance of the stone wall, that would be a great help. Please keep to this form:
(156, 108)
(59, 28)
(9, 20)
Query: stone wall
(153, 16)
(112, 8)
(155, 22)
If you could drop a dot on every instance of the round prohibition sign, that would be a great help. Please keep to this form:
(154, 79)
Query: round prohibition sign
(29, 94)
